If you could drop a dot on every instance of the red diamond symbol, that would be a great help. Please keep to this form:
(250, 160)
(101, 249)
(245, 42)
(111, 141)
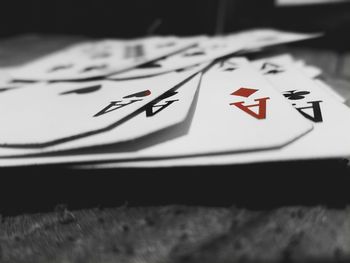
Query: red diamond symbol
(244, 92)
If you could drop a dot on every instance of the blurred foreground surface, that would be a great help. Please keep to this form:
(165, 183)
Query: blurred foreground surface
(175, 234)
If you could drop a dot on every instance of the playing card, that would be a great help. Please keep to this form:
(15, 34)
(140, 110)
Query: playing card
(216, 47)
(236, 111)
(168, 110)
(99, 58)
(258, 38)
(47, 114)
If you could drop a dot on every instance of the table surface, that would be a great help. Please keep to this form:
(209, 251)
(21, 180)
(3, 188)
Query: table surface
(177, 233)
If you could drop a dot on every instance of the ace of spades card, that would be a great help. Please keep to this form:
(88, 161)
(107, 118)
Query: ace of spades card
(165, 112)
(88, 60)
(48, 114)
(168, 110)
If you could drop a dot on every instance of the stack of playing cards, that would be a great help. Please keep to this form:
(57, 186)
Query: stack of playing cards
(170, 101)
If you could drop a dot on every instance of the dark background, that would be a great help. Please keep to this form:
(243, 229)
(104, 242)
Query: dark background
(133, 18)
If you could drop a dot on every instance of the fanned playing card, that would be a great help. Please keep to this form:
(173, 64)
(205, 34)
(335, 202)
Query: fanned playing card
(99, 58)
(165, 112)
(49, 114)
(259, 38)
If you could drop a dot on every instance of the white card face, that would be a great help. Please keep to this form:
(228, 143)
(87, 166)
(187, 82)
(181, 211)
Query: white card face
(100, 58)
(170, 109)
(51, 113)
(215, 47)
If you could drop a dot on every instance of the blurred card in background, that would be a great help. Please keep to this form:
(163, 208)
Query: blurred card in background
(94, 59)
(306, 2)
